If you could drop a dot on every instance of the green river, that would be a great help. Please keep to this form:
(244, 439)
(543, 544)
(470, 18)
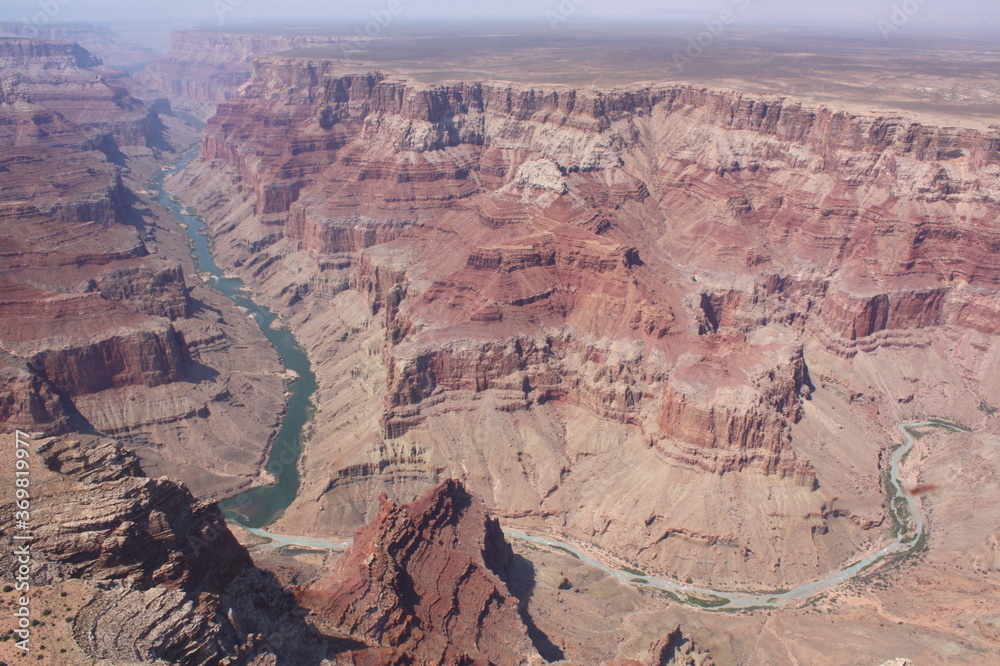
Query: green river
(261, 505)
(258, 507)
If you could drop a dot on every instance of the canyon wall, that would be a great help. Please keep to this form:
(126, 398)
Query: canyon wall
(547, 289)
(127, 51)
(65, 78)
(206, 67)
(103, 328)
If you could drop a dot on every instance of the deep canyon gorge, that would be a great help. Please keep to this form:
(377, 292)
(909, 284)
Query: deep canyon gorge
(674, 325)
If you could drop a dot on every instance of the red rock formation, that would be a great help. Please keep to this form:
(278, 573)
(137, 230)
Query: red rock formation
(659, 256)
(83, 304)
(427, 580)
(206, 67)
(143, 357)
(168, 579)
(708, 427)
(544, 267)
(98, 329)
(67, 79)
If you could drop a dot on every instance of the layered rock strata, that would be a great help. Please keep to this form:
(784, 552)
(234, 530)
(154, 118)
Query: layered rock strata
(167, 581)
(125, 51)
(427, 581)
(597, 292)
(65, 78)
(102, 328)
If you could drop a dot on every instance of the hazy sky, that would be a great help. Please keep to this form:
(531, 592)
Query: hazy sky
(813, 13)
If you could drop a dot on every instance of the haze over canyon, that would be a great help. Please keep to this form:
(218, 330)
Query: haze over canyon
(538, 322)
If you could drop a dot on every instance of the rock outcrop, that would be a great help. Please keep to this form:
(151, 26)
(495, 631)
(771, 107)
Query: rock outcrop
(168, 580)
(101, 328)
(582, 286)
(426, 580)
(674, 649)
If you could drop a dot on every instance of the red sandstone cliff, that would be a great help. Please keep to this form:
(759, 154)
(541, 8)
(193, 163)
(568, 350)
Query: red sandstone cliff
(551, 276)
(427, 580)
(100, 329)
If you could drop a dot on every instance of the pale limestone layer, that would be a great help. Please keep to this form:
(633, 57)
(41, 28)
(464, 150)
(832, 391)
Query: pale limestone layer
(651, 320)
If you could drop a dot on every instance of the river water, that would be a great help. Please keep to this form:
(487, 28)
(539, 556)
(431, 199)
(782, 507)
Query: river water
(258, 507)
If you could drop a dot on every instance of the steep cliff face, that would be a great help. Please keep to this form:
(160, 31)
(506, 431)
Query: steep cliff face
(67, 79)
(206, 67)
(871, 201)
(99, 327)
(165, 578)
(551, 275)
(143, 357)
(427, 580)
(125, 51)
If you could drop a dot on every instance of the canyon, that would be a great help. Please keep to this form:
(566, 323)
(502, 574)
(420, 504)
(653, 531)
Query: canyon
(672, 326)
(206, 67)
(643, 319)
(106, 327)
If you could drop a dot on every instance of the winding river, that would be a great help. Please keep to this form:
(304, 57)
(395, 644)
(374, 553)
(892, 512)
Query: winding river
(912, 537)
(259, 506)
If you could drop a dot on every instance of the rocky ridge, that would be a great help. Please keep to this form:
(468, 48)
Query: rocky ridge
(427, 580)
(655, 263)
(166, 579)
(103, 329)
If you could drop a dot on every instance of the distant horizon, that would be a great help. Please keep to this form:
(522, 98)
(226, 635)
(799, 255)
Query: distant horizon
(527, 25)
(881, 18)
